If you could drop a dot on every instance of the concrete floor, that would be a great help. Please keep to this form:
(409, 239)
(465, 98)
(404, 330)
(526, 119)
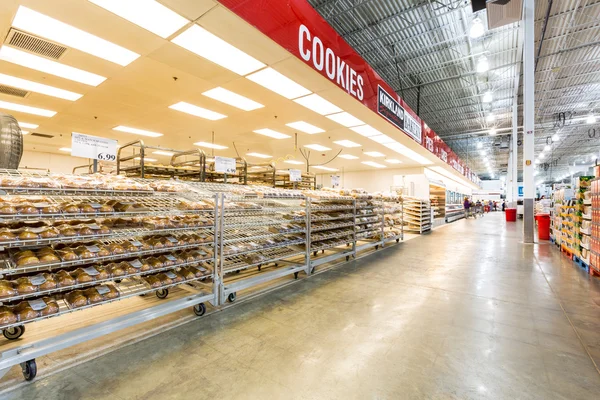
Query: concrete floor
(467, 312)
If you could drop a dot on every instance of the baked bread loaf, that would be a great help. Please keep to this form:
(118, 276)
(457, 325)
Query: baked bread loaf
(104, 251)
(67, 255)
(49, 233)
(50, 210)
(24, 286)
(186, 273)
(8, 209)
(6, 235)
(103, 230)
(76, 299)
(116, 248)
(116, 270)
(103, 273)
(112, 294)
(81, 276)
(165, 261)
(153, 281)
(85, 231)
(25, 312)
(7, 289)
(106, 208)
(64, 279)
(52, 307)
(164, 279)
(50, 282)
(48, 258)
(154, 262)
(27, 234)
(83, 252)
(70, 209)
(27, 208)
(67, 230)
(86, 208)
(93, 296)
(7, 316)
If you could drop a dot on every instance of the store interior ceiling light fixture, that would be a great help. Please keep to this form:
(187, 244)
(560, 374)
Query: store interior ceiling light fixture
(318, 104)
(163, 153)
(272, 134)
(590, 119)
(374, 154)
(27, 125)
(32, 61)
(30, 86)
(41, 25)
(324, 168)
(24, 132)
(232, 99)
(348, 157)
(148, 14)
(393, 161)
(305, 127)
(197, 111)
(366, 131)
(259, 155)
(373, 164)
(487, 98)
(136, 131)
(347, 143)
(294, 162)
(67, 149)
(483, 65)
(477, 30)
(210, 145)
(382, 139)
(317, 147)
(345, 119)
(26, 109)
(278, 83)
(406, 152)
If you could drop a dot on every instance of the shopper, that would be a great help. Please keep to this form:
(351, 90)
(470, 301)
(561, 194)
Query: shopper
(503, 205)
(490, 204)
(467, 206)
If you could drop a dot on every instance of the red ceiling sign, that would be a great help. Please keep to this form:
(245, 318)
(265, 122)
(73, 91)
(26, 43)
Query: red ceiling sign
(297, 26)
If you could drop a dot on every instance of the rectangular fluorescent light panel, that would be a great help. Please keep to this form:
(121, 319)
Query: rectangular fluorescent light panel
(203, 43)
(324, 168)
(345, 119)
(393, 161)
(136, 131)
(147, 14)
(318, 104)
(42, 64)
(259, 155)
(405, 151)
(348, 156)
(65, 149)
(382, 139)
(317, 147)
(366, 131)
(373, 164)
(27, 125)
(163, 153)
(347, 143)
(374, 154)
(272, 134)
(305, 127)
(210, 145)
(295, 162)
(38, 88)
(278, 83)
(232, 99)
(24, 132)
(146, 159)
(41, 25)
(27, 109)
(197, 111)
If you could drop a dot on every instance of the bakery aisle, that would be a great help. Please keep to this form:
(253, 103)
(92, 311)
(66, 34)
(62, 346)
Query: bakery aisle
(464, 312)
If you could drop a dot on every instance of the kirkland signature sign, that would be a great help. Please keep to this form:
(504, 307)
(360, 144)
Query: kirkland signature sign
(389, 108)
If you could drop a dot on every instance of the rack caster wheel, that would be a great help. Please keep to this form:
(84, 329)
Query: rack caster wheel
(117, 281)
(295, 275)
(312, 271)
(315, 253)
(277, 264)
(259, 267)
(200, 309)
(14, 333)
(232, 296)
(238, 271)
(29, 369)
(162, 293)
(377, 247)
(322, 251)
(347, 258)
(397, 240)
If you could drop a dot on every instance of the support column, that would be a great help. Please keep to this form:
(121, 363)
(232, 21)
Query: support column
(509, 179)
(528, 119)
(515, 153)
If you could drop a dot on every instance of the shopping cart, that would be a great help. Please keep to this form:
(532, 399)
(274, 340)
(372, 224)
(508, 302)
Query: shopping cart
(477, 211)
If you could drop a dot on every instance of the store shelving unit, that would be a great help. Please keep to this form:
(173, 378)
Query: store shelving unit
(417, 215)
(261, 174)
(594, 258)
(240, 177)
(282, 180)
(454, 212)
(393, 219)
(370, 224)
(584, 218)
(437, 199)
(331, 227)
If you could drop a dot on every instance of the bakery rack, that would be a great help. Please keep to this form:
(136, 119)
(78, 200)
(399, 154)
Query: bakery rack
(240, 176)
(437, 198)
(282, 180)
(417, 215)
(338, 240)
(370, 223)
(260, 240)
(261, 174)
(393, 219)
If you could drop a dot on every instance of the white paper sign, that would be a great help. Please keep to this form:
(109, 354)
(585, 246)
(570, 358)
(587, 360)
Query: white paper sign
(295, 175)
(335, 181)
(225, 165)
(99, 148)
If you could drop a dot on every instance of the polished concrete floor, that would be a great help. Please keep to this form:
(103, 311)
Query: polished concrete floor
(467, 312)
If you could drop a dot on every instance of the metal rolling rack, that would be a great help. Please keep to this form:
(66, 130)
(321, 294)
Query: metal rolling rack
(261, 174)
(331, 228)
(282, 180)
(260, 240)
(417, 215)
(202, 287)
(370, 223)
(393, 219)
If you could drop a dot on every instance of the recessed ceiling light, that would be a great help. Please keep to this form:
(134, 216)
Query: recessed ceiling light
(42, 64)
(233, 99)
(197, 111)
(382, 139)
(24, 132)
(317, 147)
(163, 153)
(348, 156)
(146, 159)
(305, 127)
(347, 143)
(272, 134)
(487, 97)
(477, 29)
(324, 168)
(259, 155)
(203, 43)
(57, 31)
(490, 118)
(68, 149)
(38, 87)
(547, 147)
(318, 104)
(366, 131)
(393, 161)
(405, 151)
(373, 164)
(345, 119)
(147, 14)
(374, 154)
(555, 138)
(27, 125)
(278, 83)
(210, 145)
(591, 119)
(136, 131)
(295, 162)
(27, 109)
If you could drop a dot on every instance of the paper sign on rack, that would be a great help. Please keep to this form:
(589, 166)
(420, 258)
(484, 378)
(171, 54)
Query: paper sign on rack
(98, 148)
(335, 181)
(295, 175)
(225, 165)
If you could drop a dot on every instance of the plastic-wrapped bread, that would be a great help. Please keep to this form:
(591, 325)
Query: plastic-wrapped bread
(69, 208)
(103, 273)
(116, 248)
(67, 255)
(164, 279)
(115, 270)
(93, 296)
(154, 262)
(6, 235)
(81, 276)
(84, 252)
(27, 234)
(86, 208)
(24, 311)
(76, 299)
(24, 286)
(153, 281)
(8, 209)
(7, 316)
(186, 273)
(27, 208)
(64, 279)
(112, 294)
(67, 230)
(51, 307)
(7, 289)
(50, 282)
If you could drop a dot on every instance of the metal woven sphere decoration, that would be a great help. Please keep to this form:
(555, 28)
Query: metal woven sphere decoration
(11, 142)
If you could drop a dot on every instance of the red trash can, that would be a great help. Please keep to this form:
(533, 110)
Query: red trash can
(543, 226)
(511, 214)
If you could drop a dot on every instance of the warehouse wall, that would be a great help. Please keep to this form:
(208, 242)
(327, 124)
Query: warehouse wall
(54, 162)
(371, 180)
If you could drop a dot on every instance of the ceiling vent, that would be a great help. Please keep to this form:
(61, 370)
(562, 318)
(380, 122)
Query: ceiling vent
(42, 135)
(34, 44)
(503, 12)
(11, 91)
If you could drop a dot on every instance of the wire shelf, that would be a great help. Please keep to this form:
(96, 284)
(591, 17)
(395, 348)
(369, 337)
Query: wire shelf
(331, 246)
(326, 217)
(263, 249)
(255, 221)
(329, 227)
(333, 235)
(232, 236)
(270, 256)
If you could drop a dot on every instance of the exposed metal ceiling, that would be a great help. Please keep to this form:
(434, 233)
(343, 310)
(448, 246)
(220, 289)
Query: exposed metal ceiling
(423, 49)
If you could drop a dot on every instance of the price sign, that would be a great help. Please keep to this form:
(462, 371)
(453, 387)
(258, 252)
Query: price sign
(99, 148)
(335, 181)
(295, 175)
(225, 165)
(37, 304)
